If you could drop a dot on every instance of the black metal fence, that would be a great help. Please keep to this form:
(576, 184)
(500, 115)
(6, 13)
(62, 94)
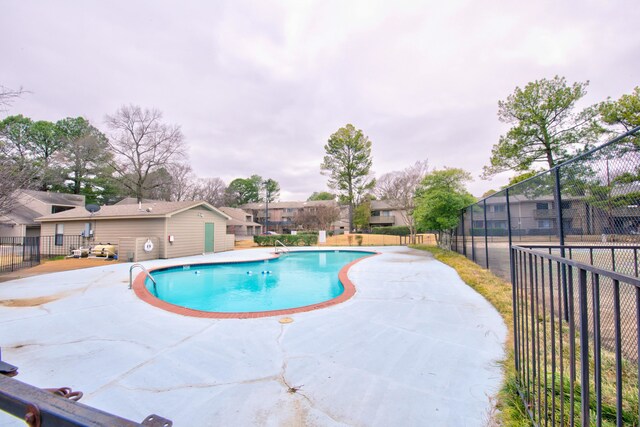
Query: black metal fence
(569, 240)
(575, 341)
(23, 252)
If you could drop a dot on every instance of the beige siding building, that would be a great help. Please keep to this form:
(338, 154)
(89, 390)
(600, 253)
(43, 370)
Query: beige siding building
(282, 215)
(241, 224)
(19, 221)
(385, 215)
(174, 229)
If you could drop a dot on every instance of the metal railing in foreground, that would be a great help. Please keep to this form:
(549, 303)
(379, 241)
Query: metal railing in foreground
(59, 407)
(576, 360)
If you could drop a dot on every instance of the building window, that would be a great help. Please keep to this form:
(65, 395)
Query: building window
(478, 224)
(499, 208)
(59, 234)
(56, 209)
(542, 206)
(385, 213)
(544, 223)
(88, 230)
(502, 225)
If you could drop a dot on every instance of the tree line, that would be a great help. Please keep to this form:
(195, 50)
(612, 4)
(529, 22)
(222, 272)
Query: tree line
(141, 156)
(138, 155)
(546, 131)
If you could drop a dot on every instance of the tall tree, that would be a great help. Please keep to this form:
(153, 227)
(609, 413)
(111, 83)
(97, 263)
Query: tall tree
(46, 141)
(142, 144)
(271, 193)
(15, 141)
(622, 115)
(242, 191)
(322, 195)
(271, 190)
(17, 169)
(398, 189)
(348, 164)
(546, 129)
(440, 197)
(85, 157)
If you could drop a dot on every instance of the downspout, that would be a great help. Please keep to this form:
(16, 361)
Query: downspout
(165, 238)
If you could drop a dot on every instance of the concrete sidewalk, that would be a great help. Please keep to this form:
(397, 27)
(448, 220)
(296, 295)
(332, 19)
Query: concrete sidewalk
(414, 346)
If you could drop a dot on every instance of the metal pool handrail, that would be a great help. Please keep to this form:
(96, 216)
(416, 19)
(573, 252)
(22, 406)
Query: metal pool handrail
(284, 249)
(142, 267)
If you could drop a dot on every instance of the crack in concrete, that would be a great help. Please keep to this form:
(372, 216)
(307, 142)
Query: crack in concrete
(152, 358)
(300, 413)
(82, 340)
(200, 385)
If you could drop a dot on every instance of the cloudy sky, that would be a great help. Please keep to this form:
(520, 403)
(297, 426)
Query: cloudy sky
(259, 86)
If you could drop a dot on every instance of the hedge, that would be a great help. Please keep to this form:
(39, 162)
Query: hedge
(397, 230)
(287, 239)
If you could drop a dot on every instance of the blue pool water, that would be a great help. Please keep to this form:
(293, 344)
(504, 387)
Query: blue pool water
(293, 280)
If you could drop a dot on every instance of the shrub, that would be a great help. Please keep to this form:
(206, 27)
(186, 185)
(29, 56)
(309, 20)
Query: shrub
(398, 230)
(490, 232)
(287, 239)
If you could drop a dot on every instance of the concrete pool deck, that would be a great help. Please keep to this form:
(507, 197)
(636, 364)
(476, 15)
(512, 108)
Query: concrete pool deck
(414, 346)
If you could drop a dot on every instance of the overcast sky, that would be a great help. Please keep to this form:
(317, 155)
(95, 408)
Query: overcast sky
(258, 87)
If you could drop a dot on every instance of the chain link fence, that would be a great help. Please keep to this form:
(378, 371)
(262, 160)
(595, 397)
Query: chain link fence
(589, 206)
(585, 216)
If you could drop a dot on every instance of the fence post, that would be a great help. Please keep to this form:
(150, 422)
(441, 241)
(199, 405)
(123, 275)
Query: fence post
(558, 200)
(464, 240)
(513, 284)
(584, 347)
(473, 242)
(486, 236)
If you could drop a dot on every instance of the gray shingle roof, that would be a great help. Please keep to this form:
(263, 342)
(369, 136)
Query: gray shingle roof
(21, 215)
(291, 205)
(238, 216)
(149, 210)
(56, 198)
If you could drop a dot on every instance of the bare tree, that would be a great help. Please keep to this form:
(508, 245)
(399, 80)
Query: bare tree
(12, 178)
(211, 190)
(142, 144)
(398, 189)
(317, 217)
(183, 181)
(12, 175)
(7, 96)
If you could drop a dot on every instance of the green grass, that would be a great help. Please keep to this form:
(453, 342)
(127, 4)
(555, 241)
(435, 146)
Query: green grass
(511, 410)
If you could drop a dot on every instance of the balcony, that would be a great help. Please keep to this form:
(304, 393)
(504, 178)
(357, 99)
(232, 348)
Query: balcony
(374, 220)
(498, 216)
(551, 213)
(544, 213)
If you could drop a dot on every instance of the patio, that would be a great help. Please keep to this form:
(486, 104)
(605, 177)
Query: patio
(414, 346)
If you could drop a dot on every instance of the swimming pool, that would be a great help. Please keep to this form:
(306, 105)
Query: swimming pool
(297, 281)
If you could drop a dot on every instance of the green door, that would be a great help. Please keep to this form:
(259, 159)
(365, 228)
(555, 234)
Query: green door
(208, 237)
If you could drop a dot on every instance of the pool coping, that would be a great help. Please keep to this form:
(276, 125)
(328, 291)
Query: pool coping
(349, 291)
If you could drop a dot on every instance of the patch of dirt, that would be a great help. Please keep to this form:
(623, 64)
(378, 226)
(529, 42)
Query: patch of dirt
(56, 266)
(29, 302)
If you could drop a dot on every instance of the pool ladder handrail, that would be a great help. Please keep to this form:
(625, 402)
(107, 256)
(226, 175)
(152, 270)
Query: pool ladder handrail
(144, 269)
(285, 248)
